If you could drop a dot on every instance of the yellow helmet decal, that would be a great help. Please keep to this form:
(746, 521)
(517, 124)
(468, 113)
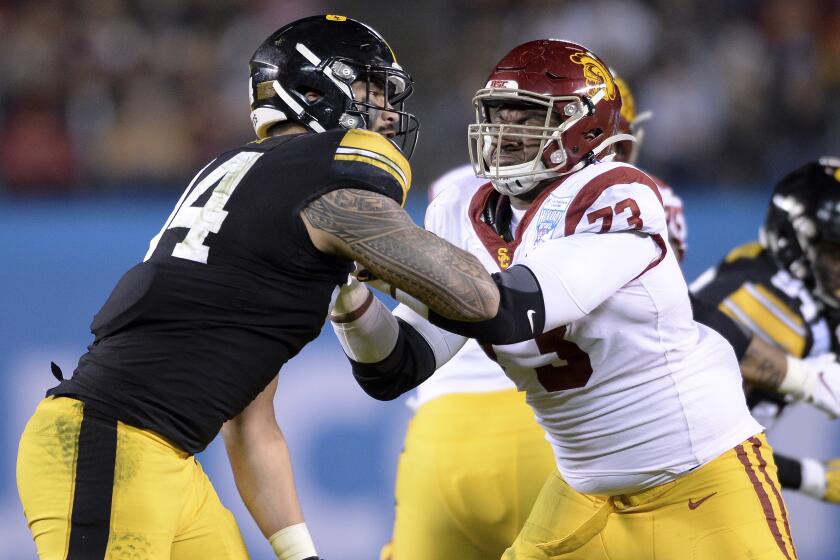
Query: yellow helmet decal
(597, 75)
(333, 17)
(628, 104)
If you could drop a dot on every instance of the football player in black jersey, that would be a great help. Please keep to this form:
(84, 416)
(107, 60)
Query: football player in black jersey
(785, 291)
(238, 280)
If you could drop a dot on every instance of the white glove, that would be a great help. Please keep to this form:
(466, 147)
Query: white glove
(815, 381)
(814, 481)
(821, 480)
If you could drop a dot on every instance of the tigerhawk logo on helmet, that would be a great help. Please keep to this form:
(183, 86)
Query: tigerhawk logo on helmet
(569, 83)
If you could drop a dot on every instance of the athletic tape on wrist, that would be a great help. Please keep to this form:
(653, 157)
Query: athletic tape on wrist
(293, 543)
(796, 377)
(369, 334)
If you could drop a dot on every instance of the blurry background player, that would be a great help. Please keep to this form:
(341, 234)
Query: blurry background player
(615, 410)
(239, 279)
(785, 289)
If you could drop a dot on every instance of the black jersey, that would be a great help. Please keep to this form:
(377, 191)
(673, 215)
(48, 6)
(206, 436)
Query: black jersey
(231, 288)
(770, 303)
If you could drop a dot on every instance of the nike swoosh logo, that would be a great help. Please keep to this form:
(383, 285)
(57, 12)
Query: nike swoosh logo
(531, 314)
(694, 505)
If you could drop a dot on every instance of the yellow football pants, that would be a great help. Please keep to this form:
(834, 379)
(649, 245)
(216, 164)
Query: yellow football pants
(730, 508)
(472, 467)
(94, 488)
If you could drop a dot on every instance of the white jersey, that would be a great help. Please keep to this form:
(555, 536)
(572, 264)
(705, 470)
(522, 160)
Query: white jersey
(470, 370)
(631, 391)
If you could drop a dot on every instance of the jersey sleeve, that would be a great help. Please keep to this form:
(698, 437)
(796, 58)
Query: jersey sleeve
(621, 199)
(444, 344)
(577, 273)
(368, 159)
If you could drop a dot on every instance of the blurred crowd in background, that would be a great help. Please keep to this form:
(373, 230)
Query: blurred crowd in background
(110, 96)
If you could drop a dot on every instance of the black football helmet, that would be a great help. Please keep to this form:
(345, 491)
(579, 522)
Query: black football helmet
(325, 55)
(802, 228)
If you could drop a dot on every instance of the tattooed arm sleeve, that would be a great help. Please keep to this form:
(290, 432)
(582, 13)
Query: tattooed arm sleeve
(375, 231)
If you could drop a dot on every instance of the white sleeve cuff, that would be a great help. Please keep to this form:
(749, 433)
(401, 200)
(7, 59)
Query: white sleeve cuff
(443, 343)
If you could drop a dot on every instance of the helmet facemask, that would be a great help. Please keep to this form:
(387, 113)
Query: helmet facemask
(550, 158)
(384, 90)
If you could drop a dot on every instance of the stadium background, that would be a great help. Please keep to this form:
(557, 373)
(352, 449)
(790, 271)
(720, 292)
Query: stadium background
(107, 107)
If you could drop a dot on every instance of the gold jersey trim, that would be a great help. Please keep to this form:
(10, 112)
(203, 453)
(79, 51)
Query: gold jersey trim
(749, 306)
(374, 149)
(746, 251)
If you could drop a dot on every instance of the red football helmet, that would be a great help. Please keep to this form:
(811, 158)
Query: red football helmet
(572, 84)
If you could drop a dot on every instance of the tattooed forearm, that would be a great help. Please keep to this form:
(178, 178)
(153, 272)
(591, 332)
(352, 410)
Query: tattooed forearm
(763, 365)
(381, 236)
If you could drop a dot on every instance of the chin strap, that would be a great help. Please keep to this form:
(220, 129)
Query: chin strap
(614, 139)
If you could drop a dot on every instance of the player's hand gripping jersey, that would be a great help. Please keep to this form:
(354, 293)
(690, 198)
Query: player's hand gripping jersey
(631, 391)
(231, 288)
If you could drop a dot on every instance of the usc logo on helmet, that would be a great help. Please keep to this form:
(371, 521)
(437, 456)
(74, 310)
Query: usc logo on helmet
(597, 75)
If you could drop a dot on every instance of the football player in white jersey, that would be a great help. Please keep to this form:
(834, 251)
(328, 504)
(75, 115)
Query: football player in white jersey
(471, 408)
(642, 406)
